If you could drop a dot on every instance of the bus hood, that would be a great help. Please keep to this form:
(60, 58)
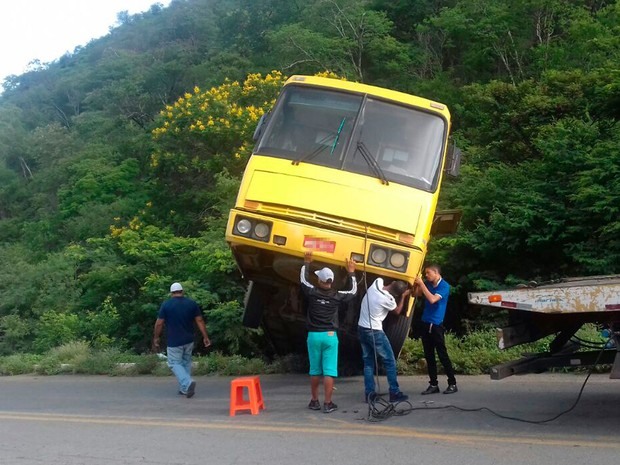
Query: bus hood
(349, 197)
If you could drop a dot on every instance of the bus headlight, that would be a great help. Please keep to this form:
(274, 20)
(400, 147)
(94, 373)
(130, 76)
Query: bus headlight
(252, 228)
(261, 230)
(397, 260)
(244, 226)
(378, 256)
(391, 259)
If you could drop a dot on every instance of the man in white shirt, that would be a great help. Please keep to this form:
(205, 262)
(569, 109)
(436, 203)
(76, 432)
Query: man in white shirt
(376, 304)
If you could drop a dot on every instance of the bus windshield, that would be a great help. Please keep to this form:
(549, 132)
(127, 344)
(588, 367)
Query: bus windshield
(356, 133)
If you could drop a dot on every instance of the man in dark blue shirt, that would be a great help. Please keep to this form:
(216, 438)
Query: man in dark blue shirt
(179, 314)
(436, 291)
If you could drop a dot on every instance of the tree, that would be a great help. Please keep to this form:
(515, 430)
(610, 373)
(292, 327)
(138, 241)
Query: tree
(343, 36)
(205, 133)
(538, 194)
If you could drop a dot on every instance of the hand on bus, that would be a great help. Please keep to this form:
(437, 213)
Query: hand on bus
(350, 265)
(418, 287)
(308, 256)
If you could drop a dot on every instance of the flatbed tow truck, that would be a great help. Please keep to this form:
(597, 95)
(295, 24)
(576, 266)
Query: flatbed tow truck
(561, 307)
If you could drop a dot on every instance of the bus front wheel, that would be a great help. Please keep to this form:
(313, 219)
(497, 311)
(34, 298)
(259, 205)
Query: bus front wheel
(397, 329)
(255, 300)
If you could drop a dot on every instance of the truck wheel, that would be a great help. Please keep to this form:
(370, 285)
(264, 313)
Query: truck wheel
(397, 329)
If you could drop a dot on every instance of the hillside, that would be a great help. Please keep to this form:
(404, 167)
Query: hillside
(101, 208)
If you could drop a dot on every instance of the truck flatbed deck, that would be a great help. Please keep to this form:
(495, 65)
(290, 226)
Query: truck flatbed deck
(570, 295)
(558, 308)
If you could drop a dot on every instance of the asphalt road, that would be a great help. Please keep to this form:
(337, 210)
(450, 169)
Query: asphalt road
(103, 420)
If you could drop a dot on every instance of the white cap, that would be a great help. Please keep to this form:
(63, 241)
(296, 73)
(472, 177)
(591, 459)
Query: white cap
(176, 287)
(325, 274)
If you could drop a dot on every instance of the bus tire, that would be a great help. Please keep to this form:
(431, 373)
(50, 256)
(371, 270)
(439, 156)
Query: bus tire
(254, 304)
(397, 329)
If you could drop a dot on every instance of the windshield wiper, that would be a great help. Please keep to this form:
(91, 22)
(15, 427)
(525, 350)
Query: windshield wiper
(322, 146)
(337, 136)
(372, 163)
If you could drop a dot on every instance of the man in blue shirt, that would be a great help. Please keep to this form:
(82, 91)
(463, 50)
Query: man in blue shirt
(179, 314)
(436, 292)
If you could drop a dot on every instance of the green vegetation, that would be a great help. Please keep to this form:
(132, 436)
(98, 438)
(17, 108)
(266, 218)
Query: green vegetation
(119, 161)
(477, 352)
(471, 355)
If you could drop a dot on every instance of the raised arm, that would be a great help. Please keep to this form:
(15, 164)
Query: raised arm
(401, 302)
(304, 275)
(423, 290)
(350, 289)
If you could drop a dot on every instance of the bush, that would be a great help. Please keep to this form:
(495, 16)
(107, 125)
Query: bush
(235, 365)
(473, 354)
(226, 331)
(100, 363)
(56, 328)
(70, 352)
(18, 364)
(50, 365)
(15, 332)
(146, 364)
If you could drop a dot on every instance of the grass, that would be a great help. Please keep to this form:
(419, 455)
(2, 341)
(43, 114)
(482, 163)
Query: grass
(79, 358)
(476, 353)
(471, 355)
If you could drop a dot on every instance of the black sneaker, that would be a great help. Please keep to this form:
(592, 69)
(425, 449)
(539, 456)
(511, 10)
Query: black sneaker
(191, 389)
(398, 397)
(451, 389)
(314, 404)
(370, 397)
(431, 390)
(329, 407)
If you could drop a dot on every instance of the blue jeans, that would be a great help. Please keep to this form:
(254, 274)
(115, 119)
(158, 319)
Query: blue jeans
(384, 352)
(180, 362)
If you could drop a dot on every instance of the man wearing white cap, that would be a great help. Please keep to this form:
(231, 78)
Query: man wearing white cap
(322, 323)
(179, 314)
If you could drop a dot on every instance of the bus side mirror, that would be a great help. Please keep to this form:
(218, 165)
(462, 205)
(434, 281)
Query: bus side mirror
(262, 122)
(453, 160)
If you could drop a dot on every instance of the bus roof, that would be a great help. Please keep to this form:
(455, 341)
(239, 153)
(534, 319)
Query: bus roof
(387, 94)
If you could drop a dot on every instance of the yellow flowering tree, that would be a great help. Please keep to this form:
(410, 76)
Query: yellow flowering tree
(206, 130)
(203, 135)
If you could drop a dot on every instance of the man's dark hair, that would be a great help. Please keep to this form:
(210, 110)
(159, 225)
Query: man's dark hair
(434, 266)
(398, 287)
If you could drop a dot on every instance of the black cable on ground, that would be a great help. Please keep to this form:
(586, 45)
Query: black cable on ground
(379, 409)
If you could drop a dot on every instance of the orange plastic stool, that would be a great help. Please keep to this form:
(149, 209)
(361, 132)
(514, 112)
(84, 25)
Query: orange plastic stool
(255, 395)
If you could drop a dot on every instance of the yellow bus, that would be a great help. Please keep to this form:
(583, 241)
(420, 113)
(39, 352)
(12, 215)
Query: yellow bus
(346, 170)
